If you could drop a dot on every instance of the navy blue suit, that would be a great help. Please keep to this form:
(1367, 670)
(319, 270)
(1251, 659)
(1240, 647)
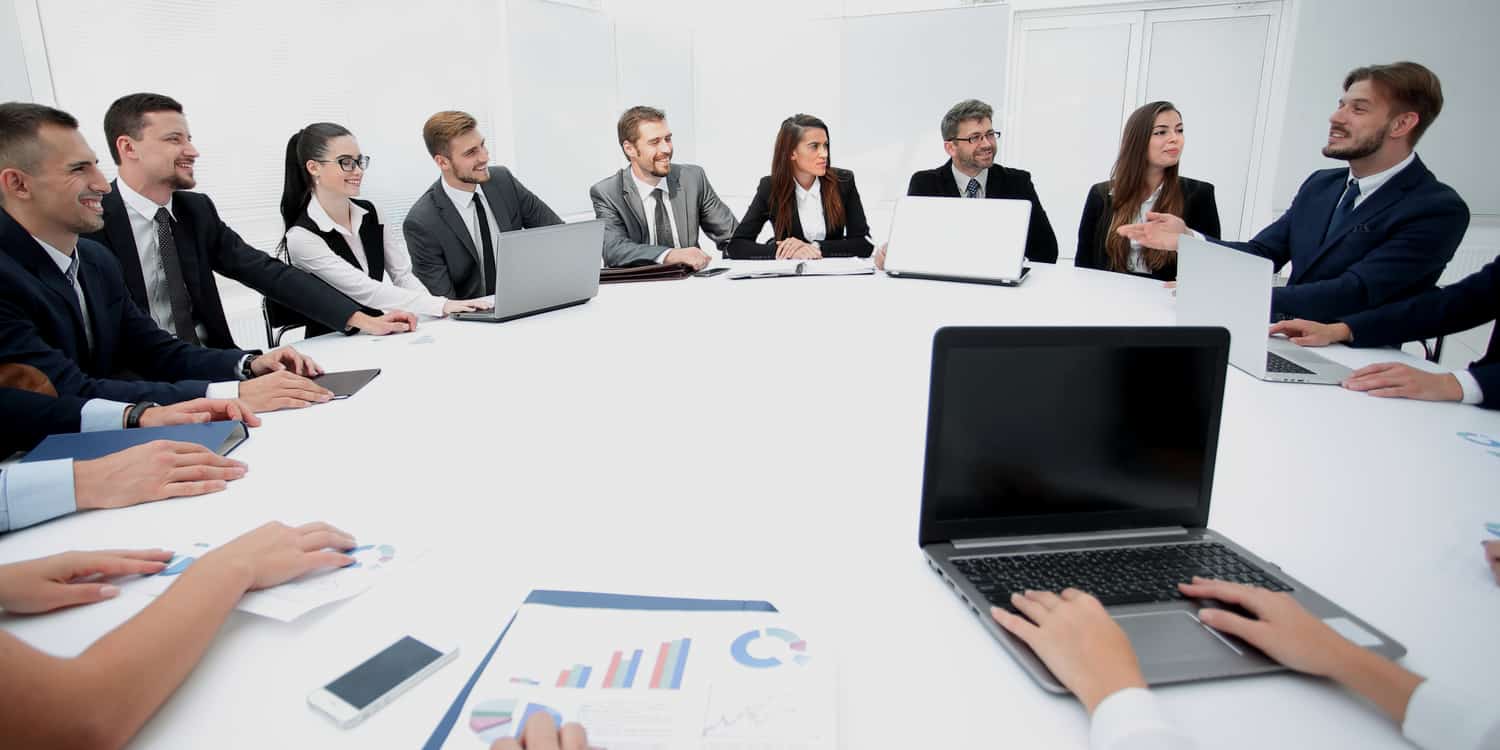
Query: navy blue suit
(41, 326)
(1471, 302)
(1393, 246)
(30, 417)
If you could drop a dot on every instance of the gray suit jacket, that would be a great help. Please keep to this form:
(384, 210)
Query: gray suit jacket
(626, 232)
(443, 254)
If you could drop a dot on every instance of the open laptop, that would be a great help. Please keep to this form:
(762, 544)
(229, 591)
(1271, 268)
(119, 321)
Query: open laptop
(952, 239)
(1084, 457)
(1221, 286)
(544, 269)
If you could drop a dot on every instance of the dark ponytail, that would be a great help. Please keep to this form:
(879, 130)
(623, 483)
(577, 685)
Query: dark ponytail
(306, 144)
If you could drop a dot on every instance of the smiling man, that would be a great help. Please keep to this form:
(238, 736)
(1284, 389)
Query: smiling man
(1381, 229)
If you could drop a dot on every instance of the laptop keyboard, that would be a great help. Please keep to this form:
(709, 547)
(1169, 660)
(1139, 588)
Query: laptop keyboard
(1120, 575)
(1278, 363)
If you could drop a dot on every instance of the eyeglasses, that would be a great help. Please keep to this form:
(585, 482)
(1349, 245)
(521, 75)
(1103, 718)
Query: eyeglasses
(348, 163)
(973, 140)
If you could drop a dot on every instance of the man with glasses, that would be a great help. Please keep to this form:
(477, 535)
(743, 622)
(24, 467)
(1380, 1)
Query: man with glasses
(970, 138)
(171, 241)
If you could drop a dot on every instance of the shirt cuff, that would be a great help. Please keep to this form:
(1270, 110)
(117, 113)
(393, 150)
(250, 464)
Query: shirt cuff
(1472, 392)
(663, 257)
(101, 414)
(38, 491)
(1131, 718)
(227, 389)
(1438, 716)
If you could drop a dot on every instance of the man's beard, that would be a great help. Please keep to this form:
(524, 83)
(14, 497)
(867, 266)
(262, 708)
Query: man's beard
(973, 164)
(1356, 150)
(182, 181)
(475, 178)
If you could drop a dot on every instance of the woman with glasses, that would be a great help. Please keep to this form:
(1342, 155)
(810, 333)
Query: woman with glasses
(1144, 179)
(339, 238)
(813, 207)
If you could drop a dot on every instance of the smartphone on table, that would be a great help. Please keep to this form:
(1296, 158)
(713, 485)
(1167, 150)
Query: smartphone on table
(380, 679)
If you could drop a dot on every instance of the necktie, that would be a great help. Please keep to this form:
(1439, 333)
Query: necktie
(171, 270)
(83, 305)
(972, 191)
(487, 254)
(1345, 208)
(663, 220)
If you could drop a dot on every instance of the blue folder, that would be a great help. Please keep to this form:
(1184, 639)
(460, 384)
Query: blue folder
(219, 437)
(587, 600)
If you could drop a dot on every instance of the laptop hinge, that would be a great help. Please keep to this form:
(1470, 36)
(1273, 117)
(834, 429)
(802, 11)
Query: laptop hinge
(1013, 541)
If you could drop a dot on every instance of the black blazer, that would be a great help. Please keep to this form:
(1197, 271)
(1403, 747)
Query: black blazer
(849, 241)
(1199, 211)
(206, 244)
(1470, 302)
(29, 417)
(42, 326)
(1041, 242)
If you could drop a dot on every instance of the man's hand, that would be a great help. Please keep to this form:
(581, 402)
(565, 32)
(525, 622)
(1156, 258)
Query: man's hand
(1393, 380)
(1492, 556)
(541, 733)
(1307, 333)
(1073, 635)
(200, 410)
(285, 358)
(395, 321)
(276, 553)
(155, 471)
(1159, 231)
(72, 578)
(282, 390)
(692, 256)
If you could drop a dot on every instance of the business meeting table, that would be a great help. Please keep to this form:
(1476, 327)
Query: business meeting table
(763, 439)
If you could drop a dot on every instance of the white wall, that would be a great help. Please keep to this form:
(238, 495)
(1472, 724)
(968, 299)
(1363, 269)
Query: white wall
(15, 85)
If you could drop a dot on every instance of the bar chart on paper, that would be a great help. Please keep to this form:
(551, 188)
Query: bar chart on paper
(624, 671)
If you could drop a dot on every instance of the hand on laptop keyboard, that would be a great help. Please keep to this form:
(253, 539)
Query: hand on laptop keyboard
(1073, 635)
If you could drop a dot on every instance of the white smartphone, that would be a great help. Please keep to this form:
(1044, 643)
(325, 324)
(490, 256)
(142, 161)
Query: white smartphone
(380, 679)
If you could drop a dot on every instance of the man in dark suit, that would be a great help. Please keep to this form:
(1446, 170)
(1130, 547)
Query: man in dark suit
(970, 138)
(453, 228)
(1380, 230)
(170, 242)
(1471, 302)
(64, 309)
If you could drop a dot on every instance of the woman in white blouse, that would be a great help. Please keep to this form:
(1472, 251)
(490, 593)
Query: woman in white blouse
(339, 238)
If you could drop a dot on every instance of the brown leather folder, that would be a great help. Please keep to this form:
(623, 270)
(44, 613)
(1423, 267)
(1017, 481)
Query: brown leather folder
(653, 272)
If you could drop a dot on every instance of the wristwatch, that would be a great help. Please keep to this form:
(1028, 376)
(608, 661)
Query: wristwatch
(246, 371)
(133, 414)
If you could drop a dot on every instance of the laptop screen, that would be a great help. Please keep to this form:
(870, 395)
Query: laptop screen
(1054, 430)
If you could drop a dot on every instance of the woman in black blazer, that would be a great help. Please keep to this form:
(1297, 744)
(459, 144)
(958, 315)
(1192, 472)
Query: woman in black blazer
(813, 208)
(1145, 173)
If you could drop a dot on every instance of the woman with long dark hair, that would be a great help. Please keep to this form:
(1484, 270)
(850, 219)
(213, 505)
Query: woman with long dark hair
(813, 207)
(339, 238)
(1144, 179)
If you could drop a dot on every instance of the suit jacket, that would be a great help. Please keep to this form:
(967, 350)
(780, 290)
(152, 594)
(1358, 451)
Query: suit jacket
(41, 325)
(1395, 244)
(1041, 242)
(205, 245)
(1470, 302)
(443, 254)
(1199, 211)
(627, 224)
(29, 417)
(850, 240)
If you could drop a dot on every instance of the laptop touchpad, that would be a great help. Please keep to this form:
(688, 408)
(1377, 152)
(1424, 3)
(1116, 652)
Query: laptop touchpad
(1172, 637)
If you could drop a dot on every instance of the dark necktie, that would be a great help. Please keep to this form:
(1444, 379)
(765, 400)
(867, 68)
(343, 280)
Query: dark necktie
(487, 259)
(83, 305)
(972, 191)
(663, 220)
(171, 270)
(1342, 213)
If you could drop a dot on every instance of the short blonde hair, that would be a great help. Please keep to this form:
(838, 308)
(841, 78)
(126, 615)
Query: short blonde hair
(443, 127)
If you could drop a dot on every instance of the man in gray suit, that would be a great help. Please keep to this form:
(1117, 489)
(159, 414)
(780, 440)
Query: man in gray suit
(653, 208)
(453, 229)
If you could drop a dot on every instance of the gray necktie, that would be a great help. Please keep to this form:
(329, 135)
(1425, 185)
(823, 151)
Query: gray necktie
(83, 305)
(972, 191)
(663, 220)
(171, 270)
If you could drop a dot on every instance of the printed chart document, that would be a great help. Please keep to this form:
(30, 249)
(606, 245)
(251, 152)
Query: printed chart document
(297, 597)
(773, 269)
(641, 679)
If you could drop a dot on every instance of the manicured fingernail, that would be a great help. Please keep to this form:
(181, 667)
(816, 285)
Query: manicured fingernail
(108, 591)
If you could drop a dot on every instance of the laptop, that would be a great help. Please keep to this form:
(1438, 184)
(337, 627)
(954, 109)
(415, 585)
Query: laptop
(952, 239)
(1221, 286)
(544, 269)
(1084, 457)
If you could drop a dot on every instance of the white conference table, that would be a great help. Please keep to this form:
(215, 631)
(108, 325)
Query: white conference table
(763, 439)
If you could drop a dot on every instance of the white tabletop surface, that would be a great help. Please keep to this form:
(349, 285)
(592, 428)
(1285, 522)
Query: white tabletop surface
(763, 439)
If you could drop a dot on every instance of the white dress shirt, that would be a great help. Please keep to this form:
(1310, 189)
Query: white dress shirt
(1473, 394)
(403, 291)
(810, 211)
(963, 181)
(464, 202)
(643, 190)
(31, 493)
(142, 214)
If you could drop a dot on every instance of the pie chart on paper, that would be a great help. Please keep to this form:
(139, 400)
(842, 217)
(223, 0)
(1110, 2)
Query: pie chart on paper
(772, 647)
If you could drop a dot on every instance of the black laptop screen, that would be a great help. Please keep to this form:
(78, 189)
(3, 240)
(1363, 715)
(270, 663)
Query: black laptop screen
(1054, 430)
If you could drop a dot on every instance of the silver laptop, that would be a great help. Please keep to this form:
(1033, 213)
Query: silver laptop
(1221, 286)
(544, 269)
(1084, 458)
(952, 239)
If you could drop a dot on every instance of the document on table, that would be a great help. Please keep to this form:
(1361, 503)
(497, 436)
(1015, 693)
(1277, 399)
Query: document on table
(297, 597)
(770, 269)
(655, 680)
